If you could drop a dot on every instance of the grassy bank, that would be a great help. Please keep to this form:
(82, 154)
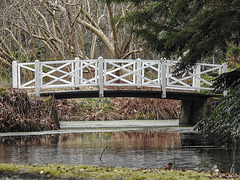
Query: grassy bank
(59, 171)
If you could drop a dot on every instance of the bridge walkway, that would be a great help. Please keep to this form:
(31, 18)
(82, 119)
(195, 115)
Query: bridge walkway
(193, 96)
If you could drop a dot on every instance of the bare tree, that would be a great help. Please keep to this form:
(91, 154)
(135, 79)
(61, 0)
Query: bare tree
(64, 29)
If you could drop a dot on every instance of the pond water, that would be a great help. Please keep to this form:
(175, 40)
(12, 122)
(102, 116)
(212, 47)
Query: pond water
(143, 148)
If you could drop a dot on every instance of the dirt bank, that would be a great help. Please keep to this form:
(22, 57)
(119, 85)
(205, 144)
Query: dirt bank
(18, 112)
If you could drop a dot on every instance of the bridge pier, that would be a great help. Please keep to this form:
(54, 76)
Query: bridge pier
(192, 111)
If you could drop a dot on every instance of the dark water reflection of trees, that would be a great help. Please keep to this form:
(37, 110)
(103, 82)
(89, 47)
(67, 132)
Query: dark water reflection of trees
(147, 140)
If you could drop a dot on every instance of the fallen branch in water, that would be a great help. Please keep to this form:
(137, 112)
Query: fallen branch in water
(103, 152)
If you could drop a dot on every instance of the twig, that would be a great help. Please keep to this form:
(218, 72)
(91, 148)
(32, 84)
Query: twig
(103, 152)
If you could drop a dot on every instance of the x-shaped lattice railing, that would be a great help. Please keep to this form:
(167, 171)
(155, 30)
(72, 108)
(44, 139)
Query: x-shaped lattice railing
(192, 80)
(73, 71)
(129, 68)
(111, 72)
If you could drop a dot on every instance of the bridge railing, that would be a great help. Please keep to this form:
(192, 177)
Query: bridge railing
(198, 78)
(110, 72)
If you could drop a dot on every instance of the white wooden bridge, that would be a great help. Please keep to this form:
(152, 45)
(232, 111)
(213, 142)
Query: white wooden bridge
(70, 74)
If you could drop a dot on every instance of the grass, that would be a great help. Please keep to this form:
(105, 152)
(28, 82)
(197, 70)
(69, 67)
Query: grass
(60, 171)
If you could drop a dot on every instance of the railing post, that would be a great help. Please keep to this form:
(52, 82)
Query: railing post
(37, 78)
(77, 72)
(14, 74)
(196, 78)
(138, 78)
(225, 69)
(167, 72)
(163, 77)
(100, 77)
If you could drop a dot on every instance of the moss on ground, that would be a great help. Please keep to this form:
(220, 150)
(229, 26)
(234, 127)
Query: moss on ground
(60, 171)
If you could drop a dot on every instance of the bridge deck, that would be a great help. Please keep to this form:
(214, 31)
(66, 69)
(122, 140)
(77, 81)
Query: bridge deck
(129, 93)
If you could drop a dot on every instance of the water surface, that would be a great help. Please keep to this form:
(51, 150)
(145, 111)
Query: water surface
(145, 148)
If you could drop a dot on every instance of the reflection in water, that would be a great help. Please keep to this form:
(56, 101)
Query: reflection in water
(146, 140)
(132, 149)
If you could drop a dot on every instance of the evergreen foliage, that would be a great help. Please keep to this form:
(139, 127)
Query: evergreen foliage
(223, 125)
(227, 80)
(172, 28)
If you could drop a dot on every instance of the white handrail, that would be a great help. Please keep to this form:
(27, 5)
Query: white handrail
(111, 72)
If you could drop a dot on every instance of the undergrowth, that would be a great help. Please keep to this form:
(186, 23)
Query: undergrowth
(118, 109)
(20, 113)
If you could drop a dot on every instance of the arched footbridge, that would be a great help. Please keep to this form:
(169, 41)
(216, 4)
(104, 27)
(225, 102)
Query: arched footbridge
(108, 77)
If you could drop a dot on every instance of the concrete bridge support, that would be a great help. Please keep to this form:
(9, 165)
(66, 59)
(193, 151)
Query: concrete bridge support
(192, 111)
